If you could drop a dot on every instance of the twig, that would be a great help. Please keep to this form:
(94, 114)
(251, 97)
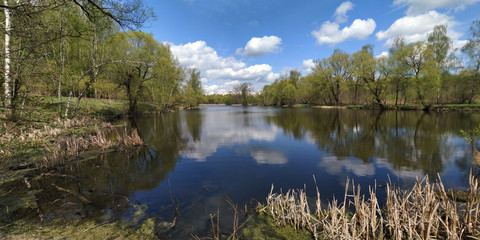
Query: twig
(78, 195)
(176, 204)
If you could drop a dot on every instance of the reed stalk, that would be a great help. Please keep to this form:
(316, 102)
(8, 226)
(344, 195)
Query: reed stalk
(424, 211)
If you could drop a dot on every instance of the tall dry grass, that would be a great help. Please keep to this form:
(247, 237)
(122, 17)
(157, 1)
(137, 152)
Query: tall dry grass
(216, 233)
(68, 146)
(425, 211)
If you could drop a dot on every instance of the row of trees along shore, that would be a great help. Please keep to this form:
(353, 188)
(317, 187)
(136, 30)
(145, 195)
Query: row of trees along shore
(89, 48)
(419, 73)
(77, 49)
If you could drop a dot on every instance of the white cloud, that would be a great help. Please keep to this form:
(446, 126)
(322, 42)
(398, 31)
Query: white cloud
(222, 91)
(202, 57)
(257, 47)
(420, 6)
(255, 73)
(268, 156)
(336, 166)
(211, 89)
(307, 66)
(217, 71)
(227, 133)
(416, 28)
(458, 44)
(232, 83)
(383, 54)
(341, 12)
(330, 32)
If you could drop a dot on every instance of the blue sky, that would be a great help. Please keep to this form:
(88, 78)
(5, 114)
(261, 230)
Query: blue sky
(235, 41)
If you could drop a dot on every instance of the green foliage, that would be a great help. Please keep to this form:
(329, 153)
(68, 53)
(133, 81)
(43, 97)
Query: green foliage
(140, 55)
(374, 72)
(440, 44)
(243, 91)
(414, 74)
(472, 50)
(193, 89)
(472, 135)
(283, 91)
(334, 73)
(288, 94)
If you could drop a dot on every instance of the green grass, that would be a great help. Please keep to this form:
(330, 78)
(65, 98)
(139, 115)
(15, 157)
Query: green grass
(46, 109)
(390, 107)
(452, 107)
(473, 106)
(301, 105)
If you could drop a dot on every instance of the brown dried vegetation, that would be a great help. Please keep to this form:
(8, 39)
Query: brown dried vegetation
(69, 146)
(425, 211)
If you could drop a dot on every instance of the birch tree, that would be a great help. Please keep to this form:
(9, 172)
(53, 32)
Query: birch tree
(6, 81)
(472, 50)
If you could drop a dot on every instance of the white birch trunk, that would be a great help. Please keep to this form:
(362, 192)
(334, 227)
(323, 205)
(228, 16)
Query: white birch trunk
(8, 23)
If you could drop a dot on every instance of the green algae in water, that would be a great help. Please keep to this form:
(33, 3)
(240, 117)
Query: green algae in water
(263, 227)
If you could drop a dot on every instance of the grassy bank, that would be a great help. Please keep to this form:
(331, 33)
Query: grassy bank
(36, 134)
(437, 107)
(40, 109)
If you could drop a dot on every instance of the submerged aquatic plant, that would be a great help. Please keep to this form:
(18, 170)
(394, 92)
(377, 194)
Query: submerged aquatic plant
(426, 211)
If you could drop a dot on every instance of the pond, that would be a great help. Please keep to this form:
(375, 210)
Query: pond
(201, 162)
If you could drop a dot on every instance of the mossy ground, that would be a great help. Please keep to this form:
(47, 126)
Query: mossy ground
(79, 229)
(259, 227)
(263, 227)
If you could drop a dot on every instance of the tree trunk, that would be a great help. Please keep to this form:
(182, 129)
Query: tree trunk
(355, 95)
(94, 73)
(131, 105)
(396, 93)
(62, 68)
(8, 22)
(337, 97)
(93, 78)
(474, 87)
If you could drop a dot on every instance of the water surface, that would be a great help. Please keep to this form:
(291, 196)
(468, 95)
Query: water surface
(222, 153)
(205, 160)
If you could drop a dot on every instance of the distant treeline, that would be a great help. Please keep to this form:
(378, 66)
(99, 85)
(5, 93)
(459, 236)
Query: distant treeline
(419, 73)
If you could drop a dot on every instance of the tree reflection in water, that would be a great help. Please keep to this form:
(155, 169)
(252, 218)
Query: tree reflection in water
(407, 140)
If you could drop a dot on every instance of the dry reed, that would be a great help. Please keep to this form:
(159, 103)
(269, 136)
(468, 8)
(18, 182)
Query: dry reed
(216, 233)
(131, 140)
(68, 146)
(424, 211)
